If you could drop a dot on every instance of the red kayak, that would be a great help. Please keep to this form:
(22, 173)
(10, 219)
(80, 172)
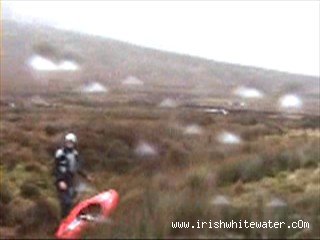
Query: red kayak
(80, 216)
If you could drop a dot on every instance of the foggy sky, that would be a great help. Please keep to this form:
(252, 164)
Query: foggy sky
(280, 35)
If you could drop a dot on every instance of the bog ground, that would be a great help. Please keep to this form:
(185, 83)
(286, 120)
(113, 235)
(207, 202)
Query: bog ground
(180, 179)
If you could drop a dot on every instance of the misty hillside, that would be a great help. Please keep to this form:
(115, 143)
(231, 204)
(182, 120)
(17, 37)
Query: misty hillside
(109, 62)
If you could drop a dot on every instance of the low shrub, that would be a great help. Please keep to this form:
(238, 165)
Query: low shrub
(119, 166)
(189, 207)
(177, 156)
(6, 194)
(246, 119)
(33, 167)
(5, 215)
(29, 190)
(257, 131)
(197, 180)
(311, 122)
(19, 137)
(308, 202)
(25, 155)
(52, 129)
(18, 206)
(42, 216)
(228, 172)
(118, 149)
(268, 164)
(14, 118)
(203, 119)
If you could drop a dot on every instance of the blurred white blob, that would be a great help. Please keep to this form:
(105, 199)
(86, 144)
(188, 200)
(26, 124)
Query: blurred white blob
(168, 103)
(40, 63)
(131, 80)
(94, 87)
(12, 105)
(216, 111)
(229, 138)
(39, 101)
(276, 202)
(248, 92)
(220, 200)
(193, 129)
(145, 149)
(68, 66)
(290, 101)
(82, 187)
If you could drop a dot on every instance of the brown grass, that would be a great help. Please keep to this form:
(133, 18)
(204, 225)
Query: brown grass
(176, 185)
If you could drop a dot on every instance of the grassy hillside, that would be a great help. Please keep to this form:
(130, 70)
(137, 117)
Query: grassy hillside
(109, 61)
(192, 175)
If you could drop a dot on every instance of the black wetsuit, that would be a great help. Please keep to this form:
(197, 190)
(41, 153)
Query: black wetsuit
(67, 164)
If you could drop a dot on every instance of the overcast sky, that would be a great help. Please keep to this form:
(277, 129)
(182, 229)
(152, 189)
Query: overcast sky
(281, 35)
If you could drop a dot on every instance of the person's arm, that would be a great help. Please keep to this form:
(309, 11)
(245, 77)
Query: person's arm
(83, 173)
(60, 167)
(80, 170)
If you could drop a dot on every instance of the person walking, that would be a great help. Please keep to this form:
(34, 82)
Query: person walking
(67, 165)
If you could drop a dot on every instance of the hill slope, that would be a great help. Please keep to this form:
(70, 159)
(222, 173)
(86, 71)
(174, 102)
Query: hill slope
(114, 60)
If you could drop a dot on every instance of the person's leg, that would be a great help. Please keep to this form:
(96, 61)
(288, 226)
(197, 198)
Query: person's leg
(65, 202)
(65, 208)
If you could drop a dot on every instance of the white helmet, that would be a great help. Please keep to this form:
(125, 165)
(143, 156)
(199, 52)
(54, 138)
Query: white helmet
(71, 137)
